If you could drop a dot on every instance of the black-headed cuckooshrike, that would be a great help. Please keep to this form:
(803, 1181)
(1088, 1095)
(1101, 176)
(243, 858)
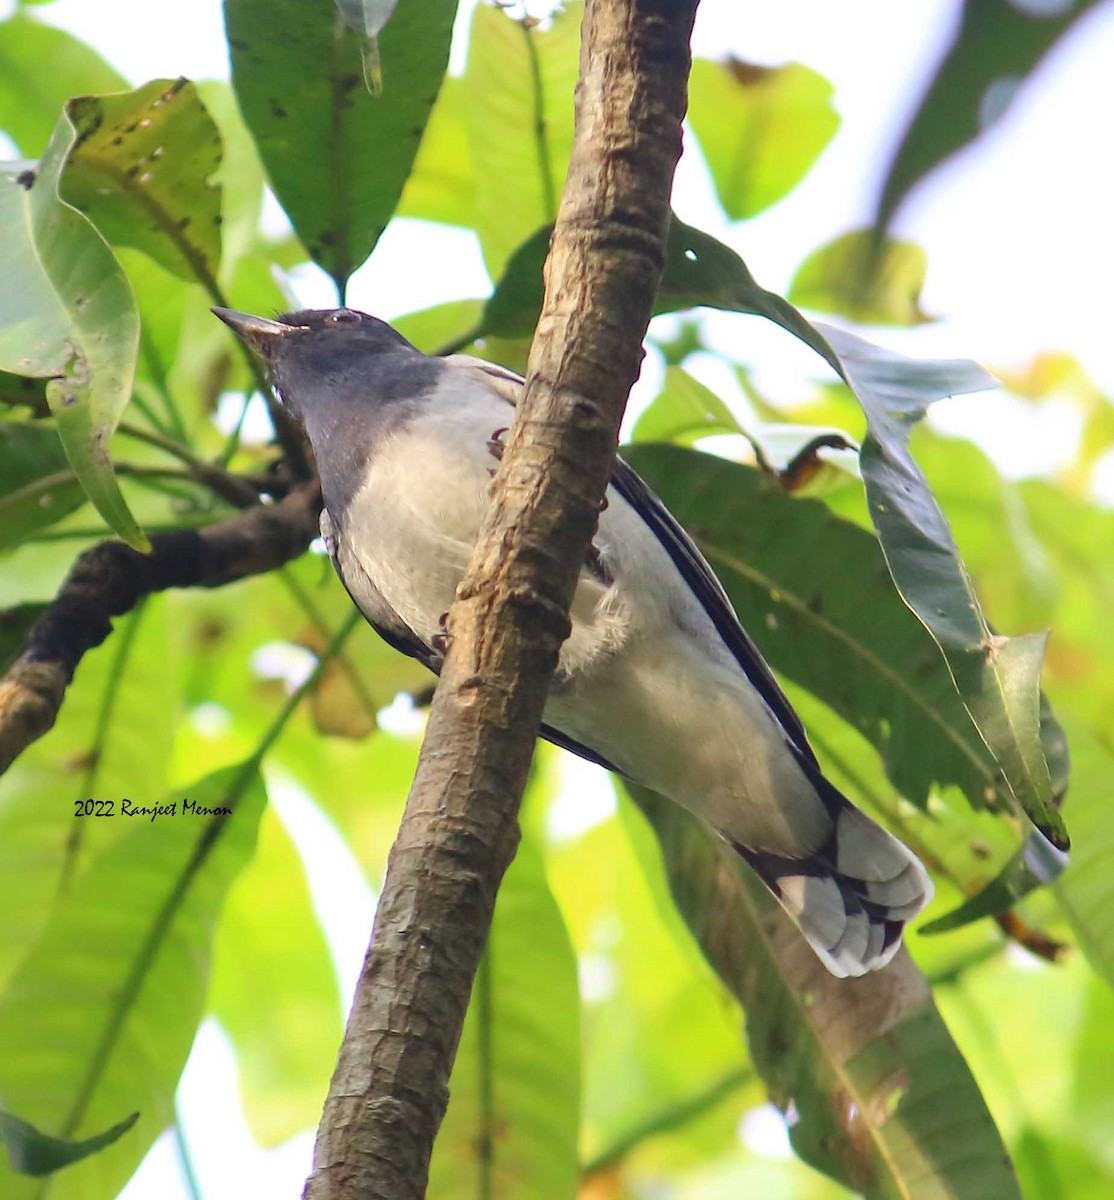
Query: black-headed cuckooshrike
(658, 680)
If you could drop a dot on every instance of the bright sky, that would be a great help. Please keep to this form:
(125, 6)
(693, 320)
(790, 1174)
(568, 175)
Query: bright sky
(1020, 259)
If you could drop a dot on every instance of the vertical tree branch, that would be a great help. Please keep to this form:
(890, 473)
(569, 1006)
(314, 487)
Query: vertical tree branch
(459, 831)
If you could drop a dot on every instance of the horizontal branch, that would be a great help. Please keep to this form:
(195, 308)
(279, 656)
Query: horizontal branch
(111, 578)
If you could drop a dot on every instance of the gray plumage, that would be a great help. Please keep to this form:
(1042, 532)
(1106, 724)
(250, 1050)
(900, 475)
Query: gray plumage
(657, 680)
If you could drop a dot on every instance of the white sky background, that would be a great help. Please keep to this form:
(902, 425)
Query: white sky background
(1017, 232)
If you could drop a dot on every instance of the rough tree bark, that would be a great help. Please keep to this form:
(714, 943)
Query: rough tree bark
(459, 831)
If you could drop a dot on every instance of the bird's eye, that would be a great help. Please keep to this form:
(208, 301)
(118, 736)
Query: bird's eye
(343, 316)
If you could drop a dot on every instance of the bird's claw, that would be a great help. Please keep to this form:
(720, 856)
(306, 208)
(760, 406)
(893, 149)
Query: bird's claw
(495, 443)
(440, 640)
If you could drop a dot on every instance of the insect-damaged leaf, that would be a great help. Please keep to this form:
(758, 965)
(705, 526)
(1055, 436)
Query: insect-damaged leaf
(141, 169)
(67, 314)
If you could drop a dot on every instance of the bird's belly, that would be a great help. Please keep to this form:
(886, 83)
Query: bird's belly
(695, 731)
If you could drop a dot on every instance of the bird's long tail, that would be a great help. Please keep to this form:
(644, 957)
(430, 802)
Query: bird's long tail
(852, 897)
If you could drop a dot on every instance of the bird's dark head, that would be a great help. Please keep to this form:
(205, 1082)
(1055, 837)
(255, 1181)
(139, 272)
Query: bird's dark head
(317, 350)
(323, 340)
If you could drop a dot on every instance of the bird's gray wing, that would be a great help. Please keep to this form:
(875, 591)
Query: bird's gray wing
(713, 599)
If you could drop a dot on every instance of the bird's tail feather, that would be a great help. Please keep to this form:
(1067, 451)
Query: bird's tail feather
(852, 897)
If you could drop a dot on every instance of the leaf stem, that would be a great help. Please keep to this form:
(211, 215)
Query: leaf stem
(105, 712)
(185, 1159)
(669, 1119)
(541, 132)
(321, 627)
(485, 1131)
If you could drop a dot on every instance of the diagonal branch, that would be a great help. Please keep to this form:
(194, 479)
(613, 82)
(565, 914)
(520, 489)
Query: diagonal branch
(111, 578)
(459, 832)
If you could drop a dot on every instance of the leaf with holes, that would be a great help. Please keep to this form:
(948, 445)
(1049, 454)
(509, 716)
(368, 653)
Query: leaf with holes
(101, 1013)
(141, 169)
(68, 315)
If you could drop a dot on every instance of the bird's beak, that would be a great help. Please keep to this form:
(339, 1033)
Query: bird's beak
(259, 333)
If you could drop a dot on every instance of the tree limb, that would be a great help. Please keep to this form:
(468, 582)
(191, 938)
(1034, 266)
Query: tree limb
(459, 831)
(111, 578)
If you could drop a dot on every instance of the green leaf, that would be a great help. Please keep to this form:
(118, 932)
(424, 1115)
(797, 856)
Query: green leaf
(112, 739)
(514, 1096)
(104, 1007)
(275, 992)
(998, 678)
(31, 94)
(337, 157)
(658, 1029)
(442, 185)
(699, 270)
(432, 328)
(15, 624)
(37, 485)
(684, 409)
(998, 45)
(140, 169)
(1086, 888)
(877, 1094)
(31, 1152)
(19, 391)
(869, 282)
(68, 314)
(761, 129)
(518, 110)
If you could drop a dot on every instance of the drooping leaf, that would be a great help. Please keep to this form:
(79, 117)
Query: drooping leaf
(67, 314)
(699, 270)
(761, 128)
(274, 990)
(874, 284)
(32, 1152)
(141, 170)
(40, 69)
(337, 157)
(997, 46)
(104, 1007)
(37, 484)
(517, 100)
(514, 1096)
(880, 1097)
(998, 678)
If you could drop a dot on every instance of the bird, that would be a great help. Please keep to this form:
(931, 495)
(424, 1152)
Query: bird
(658, 681)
